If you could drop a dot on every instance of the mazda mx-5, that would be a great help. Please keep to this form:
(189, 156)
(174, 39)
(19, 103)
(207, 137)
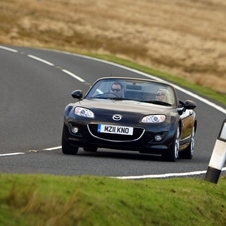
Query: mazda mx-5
(133, 114)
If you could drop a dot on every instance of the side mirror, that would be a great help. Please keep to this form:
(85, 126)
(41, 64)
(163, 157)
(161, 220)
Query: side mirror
(189, 104)
(183, 106)
(77, 94)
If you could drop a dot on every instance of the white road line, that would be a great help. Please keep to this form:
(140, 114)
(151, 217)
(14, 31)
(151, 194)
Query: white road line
(9, 49)
(16, 153)
(46, 62)
(73, 75)
(221, 109)
(41, 60)
(167, 175)
(51, 149)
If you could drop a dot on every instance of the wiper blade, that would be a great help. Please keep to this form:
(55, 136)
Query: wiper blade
(97, 98)
(158, 102)
(107, 98)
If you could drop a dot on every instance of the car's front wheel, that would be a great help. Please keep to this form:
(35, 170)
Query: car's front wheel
(66, 147)
(189, 151)
(172, 154)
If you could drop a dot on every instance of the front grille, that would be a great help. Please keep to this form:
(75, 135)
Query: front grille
(137, 134)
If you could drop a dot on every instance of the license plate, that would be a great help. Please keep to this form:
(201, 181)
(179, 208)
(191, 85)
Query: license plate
(124, 130)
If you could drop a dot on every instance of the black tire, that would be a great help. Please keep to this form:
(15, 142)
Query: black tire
(90, 149)
(173, 153)
(189, 151)
(66, 147)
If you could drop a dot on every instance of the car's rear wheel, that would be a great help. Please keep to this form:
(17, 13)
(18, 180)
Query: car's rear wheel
(90, 149)
(172, 154)
(66, 147)
(189, 151)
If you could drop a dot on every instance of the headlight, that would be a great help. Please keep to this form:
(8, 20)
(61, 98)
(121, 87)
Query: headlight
(84, 112)
(153, 119)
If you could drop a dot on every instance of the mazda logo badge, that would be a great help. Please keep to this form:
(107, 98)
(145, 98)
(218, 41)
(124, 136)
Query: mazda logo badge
(117, 117)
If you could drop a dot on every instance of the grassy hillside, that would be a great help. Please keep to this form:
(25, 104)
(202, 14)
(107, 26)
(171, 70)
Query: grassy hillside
(85, 201)
(184, 38)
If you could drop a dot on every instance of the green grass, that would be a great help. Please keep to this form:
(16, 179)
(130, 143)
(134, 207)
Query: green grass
(89, 200)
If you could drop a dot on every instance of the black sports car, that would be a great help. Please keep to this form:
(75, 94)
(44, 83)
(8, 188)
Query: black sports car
(130, 114)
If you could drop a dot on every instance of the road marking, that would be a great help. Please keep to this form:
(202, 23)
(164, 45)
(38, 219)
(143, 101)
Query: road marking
(221, 109)
(46, 62)
(73, 75)
(53, 148)
(8, 154)
(9, 49)
(65, 71)
(167, 175)
(41, 60)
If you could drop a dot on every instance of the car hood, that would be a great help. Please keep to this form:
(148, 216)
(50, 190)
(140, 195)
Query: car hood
(124, 106)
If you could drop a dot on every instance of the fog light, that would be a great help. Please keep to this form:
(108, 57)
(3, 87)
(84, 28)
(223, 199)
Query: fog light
(158, 137)
(74, 129)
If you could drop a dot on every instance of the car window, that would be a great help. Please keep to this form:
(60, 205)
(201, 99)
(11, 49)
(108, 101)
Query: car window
(100, 87)
(147, 91)
(138, 90)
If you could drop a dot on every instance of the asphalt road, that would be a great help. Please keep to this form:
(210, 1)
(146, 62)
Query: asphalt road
(35, 87)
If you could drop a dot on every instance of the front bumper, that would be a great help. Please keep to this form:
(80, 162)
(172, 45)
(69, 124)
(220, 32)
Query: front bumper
(143, 139)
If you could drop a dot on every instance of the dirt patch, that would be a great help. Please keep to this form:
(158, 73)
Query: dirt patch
(186, 38)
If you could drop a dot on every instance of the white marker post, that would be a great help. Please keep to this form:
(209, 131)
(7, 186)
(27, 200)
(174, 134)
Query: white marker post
(218, 156)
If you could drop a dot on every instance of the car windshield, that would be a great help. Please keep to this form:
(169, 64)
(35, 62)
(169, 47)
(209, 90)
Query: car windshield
(134, 90)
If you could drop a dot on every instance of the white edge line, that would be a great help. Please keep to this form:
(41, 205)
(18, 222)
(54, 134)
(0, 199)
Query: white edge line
(73, 75)
(167, 175)
(16, 153)
(51, 149)
(9, 49)
(221, 109)
(41, 60)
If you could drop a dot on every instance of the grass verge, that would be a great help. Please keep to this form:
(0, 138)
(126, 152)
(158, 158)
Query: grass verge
(90, 200)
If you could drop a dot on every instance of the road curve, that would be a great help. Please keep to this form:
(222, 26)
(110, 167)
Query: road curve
(35, 87)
